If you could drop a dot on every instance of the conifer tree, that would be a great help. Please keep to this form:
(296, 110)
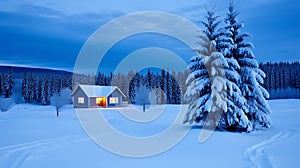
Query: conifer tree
(7, 84)
(251, 76)
(213, 93)
(235, 118)
(25, 87)
(206, 92)
(162, 86)
(1, 84)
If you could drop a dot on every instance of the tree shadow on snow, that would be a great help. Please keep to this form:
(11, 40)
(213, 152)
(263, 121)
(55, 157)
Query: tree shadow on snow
(201, 127)
(198, 127)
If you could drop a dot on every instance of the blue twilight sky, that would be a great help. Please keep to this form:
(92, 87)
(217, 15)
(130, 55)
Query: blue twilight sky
(50, 33)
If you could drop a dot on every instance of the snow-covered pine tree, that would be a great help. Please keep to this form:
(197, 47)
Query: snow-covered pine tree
(131, 91)
(181, 79)
(31, 88)
(138, 80)
(17, 92)
(43, 92)
(287, 75)
(1, 84)
(48, 91)
(176, 90)
(135, 83)
(162, 86)
(68, 83)
(130, 88)
(25, 93)
(108, 79)
(149, 79)
(37, 90)
(56, 85)
(100, 79)
(8, 84)
(168, 88)
(158, 92)
(206, 92)
(251, 77)
(124, 85)
(235, 118)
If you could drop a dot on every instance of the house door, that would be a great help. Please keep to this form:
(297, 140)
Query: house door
(103, 102)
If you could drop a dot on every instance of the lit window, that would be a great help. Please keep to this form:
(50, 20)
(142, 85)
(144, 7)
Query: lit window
(81, 100)
(98, 100)
(113, 100)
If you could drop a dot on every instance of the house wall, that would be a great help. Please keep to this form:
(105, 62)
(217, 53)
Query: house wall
(93, 102)
(80, 93)
(115, 93)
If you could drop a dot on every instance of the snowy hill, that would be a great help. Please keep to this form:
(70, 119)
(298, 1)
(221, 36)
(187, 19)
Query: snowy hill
(19, 71)
(33, 137)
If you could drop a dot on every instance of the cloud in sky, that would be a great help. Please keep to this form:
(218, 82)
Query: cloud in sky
(51, 33)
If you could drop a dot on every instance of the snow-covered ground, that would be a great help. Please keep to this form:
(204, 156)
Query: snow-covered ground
(32, 136)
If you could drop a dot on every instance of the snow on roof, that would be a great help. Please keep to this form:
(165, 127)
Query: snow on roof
(98, 91)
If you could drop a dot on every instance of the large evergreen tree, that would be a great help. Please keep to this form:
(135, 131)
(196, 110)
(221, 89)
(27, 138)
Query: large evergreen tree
(235, 118)
(206, 92)
(251, 77)
(213, 94)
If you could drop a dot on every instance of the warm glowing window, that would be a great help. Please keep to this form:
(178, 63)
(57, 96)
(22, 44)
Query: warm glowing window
(98, 100)
(114, 100)
(81, 100)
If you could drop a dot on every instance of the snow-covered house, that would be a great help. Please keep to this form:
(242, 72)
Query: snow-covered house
(86, 96)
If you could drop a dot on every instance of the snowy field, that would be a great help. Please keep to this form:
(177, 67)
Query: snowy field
(33, 137)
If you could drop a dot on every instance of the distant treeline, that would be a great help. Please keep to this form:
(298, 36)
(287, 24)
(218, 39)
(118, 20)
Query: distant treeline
(32, 85)
(168, 87)
(282, 79)
(38, 85)
(40, 88)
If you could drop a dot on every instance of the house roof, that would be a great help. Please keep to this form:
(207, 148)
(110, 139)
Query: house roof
(98, 91)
